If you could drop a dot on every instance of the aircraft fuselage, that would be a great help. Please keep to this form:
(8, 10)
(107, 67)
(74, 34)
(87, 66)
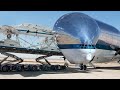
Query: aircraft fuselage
(81, 37)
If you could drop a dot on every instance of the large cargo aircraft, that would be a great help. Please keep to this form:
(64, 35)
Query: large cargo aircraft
(83, 39)
(77, 37)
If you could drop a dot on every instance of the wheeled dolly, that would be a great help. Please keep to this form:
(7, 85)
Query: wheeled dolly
(9, 67)
(30, 67)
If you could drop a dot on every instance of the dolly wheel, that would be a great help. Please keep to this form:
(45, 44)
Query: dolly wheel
(5, 68)
(34, 68)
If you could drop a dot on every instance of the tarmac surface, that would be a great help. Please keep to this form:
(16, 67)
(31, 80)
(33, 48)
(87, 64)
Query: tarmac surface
(109, 70)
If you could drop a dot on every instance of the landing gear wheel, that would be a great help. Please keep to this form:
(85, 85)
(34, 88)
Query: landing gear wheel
(83, 67)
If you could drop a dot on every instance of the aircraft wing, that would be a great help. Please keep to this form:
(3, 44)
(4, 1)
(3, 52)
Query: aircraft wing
(35, 30)
(30, 30)
(27, 29)
(29, 51)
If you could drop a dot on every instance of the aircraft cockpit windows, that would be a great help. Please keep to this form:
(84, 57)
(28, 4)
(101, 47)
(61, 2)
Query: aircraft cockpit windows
(79, 26)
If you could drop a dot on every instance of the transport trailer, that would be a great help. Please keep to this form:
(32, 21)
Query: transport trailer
(30, 67)
(41, 66)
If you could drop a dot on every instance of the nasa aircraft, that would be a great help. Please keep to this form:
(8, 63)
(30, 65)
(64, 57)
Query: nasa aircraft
(83, 39)
(27, 39)
(77, 36)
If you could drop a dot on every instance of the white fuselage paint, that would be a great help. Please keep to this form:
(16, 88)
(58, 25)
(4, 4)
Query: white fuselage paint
(79, 29)
(77, 56)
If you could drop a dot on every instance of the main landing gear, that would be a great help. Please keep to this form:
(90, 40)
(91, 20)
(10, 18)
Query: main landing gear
(65, 62)
(82, 67)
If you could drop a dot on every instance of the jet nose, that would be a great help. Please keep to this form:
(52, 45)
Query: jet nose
(77, 26)
(77, 32)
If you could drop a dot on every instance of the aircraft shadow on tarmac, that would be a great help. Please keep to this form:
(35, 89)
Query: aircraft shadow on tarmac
(68, 70)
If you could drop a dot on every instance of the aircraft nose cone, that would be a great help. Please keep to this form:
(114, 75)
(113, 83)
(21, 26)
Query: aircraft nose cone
(78, 28)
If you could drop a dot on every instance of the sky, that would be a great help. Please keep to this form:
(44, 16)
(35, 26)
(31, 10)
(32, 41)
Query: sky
(48, 18)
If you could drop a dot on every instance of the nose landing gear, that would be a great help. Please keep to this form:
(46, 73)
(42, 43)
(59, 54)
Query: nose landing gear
(82, 67)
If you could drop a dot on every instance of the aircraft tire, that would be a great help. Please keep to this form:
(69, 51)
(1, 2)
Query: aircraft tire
(84, 67)
(81, 67)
